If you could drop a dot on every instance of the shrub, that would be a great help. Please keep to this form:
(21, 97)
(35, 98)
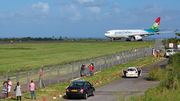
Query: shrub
(174, 61)
(172, 81)
(156, 73)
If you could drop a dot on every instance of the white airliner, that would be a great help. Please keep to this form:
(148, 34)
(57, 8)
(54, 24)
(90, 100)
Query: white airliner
(136, 34)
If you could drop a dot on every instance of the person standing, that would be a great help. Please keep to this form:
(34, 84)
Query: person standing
(145, 54)
(4, 90)
(90, 68)
(83, 71)
(160, 54)
(154, 53)
(9, 88)
(32, 88)
(157, 53)
(18, 91)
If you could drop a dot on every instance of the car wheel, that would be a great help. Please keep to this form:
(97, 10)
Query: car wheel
(93, 93)
(85, 96)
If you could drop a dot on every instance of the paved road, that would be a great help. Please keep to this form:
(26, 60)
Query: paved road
(125, 87)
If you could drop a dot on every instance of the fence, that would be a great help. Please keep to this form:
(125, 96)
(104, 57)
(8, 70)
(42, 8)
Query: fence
(71, 70)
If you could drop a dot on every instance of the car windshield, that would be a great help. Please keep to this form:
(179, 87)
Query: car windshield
(169, 50)
(176, 50)
(131, 70)
(77, 84)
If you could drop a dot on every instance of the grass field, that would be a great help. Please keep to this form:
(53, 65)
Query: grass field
(15, 56)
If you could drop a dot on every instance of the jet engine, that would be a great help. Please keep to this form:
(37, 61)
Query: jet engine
(137, 37)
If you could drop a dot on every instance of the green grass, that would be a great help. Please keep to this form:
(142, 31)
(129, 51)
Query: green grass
(15, 56)
(57, 88)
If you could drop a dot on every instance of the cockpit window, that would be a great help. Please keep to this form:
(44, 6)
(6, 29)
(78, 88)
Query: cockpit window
(107, 32)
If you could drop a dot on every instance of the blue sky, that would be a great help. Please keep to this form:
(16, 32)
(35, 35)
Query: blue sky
(84, 18)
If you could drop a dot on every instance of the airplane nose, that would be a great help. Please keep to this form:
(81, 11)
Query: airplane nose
(106, 34)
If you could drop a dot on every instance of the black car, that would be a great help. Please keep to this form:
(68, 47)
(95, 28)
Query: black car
(81, 89)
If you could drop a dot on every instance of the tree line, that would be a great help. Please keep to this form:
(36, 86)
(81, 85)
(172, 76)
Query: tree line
(175, 40)
(50, 39)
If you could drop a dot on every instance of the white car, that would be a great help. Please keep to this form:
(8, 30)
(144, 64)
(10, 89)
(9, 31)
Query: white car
(132, 72)
(171, 52)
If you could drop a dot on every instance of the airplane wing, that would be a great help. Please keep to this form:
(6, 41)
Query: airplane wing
(164, 32)
(164, 29)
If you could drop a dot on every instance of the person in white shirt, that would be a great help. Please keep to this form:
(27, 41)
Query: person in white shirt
(9, 88)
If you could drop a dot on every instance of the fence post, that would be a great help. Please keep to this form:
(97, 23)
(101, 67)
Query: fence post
(108, 61)
(116, 58)
(95, 64)
(137, 53)
(122, 57)
(79, 69)
(17, 75)
(40, 78)
(91, 59)
(28, 78)
(59, 72)
(119, 57)
(100, 62)
(131, 54)
(127, 55)
(124, 60)
(105, 61)
(73, 69)
(112, 59)
(50, 74)
(7, 74)
(67, 71)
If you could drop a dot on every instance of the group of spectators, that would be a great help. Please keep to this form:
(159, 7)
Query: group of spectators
(6, 91)
(157, 53)
(91, 70)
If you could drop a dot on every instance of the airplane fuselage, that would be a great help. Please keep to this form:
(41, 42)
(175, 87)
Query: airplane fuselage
(128, 33)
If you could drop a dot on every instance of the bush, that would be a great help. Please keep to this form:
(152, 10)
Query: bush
(174, 61)
(172, 81)
(156, 73)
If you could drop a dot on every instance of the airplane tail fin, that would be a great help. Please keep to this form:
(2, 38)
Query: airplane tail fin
(176, 30)
(156, 24)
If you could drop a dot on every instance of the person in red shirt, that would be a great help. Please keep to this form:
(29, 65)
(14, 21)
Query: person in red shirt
(90, 68)
(160, 54)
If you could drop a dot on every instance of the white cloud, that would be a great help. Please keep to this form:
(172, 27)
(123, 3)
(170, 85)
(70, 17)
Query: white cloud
(83, 1)
(1, 16)
(70, 12)
(115, 5)
(44, 7)
(61, 3)
(35, 11)
(95, 4)
(94, 9)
